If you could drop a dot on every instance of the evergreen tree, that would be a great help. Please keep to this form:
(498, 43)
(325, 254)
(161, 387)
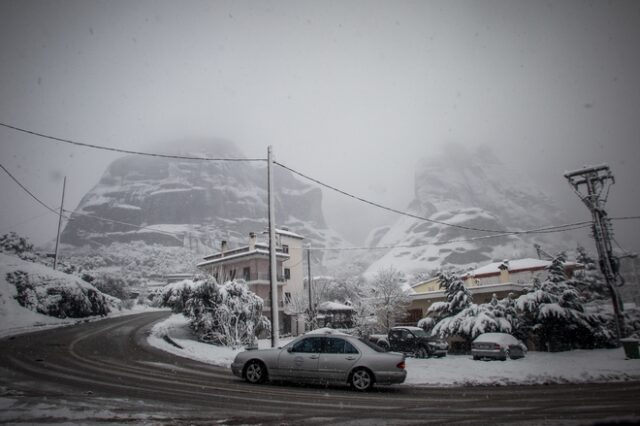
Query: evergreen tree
(588, 280)
(458, 297)
(552, 311)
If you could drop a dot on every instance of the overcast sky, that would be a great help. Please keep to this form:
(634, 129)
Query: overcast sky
(349, 92)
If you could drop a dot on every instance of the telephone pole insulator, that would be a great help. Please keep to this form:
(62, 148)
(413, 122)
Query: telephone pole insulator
(592, 184)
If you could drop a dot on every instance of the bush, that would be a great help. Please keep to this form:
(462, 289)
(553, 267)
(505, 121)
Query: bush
(56, 297)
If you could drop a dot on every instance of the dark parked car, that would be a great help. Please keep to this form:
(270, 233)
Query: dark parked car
(497, 346)
(326, 357)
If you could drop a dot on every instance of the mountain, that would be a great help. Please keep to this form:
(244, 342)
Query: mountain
(470, 198)
(194, 203)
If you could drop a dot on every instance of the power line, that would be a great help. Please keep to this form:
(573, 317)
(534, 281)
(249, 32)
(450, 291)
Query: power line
(400, 212)
(126, 151)
(27, 190)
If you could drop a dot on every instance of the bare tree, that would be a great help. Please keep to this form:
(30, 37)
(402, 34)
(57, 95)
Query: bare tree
(388, 300)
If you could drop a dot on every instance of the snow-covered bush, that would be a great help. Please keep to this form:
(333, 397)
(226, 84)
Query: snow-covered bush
(56, 296)
(12, 243)
(227, 314)
(175, 295)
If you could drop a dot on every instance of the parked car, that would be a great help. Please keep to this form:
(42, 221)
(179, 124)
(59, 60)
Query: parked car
(327, 357)
(497, 346)
(413, 341)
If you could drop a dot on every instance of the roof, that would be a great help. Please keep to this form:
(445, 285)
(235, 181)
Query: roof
(334, 306)
(513, 266)
(288, 233)
(487, 288)
(238, 254)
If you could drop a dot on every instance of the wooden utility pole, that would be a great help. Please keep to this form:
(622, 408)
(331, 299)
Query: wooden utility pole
(55, 257)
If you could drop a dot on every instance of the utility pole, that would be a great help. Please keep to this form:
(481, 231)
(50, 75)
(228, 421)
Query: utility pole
(275, 325)
(55, 257)
(596, 181)
(311, 313)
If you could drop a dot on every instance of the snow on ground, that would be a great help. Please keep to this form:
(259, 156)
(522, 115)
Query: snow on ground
(580, 366)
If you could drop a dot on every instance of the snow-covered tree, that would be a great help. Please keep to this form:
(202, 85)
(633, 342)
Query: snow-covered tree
(588, 280)
(553, 311)
(387, 298)
(458, 297)
(227, 314)
(473, 320)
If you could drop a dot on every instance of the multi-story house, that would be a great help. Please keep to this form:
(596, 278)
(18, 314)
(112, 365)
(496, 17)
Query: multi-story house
(251, 264)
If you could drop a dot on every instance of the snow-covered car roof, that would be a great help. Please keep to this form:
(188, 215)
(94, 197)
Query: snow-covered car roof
(326, 330)
(501, 338)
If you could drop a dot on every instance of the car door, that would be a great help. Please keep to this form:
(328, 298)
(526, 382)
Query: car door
(336, 359)
(300, 360)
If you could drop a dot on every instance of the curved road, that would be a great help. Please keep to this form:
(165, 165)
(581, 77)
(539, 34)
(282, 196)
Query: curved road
(105, 371)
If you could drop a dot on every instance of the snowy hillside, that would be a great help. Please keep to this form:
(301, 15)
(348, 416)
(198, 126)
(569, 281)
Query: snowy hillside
(475, 192)
(41, 289)
(194, 204)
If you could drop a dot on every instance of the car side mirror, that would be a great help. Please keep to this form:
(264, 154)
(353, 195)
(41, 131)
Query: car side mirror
(290, 349)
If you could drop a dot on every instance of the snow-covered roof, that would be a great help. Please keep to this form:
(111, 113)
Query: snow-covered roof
(239, 253)
(288, 233)
(334, 306)
(513, 266)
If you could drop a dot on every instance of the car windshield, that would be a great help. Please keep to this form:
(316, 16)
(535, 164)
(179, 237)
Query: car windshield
(420, 333)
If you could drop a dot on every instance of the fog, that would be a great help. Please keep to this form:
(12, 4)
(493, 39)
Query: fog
(352, 93)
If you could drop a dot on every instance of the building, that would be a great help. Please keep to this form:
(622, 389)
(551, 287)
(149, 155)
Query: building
(251, 264)
(499, 278)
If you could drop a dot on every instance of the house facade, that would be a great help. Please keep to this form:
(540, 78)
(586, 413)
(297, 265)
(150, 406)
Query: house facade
(251, 264)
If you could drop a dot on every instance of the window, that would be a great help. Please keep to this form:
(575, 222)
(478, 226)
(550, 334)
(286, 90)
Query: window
(335, 345)
(246, 273)
(308, 345)
(285, 248)
(287, 297)
(287, 273)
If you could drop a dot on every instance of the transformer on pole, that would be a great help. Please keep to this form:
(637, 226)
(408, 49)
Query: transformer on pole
(592, 184)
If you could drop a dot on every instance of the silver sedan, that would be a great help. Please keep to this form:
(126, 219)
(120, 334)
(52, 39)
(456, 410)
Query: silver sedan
(323, 358)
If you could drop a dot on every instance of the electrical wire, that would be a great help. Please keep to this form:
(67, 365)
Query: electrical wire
(27, 191)
(126, 151)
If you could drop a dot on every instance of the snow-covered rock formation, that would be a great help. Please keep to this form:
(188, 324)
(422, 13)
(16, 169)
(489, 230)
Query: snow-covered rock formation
(194, 204)
(471, 199)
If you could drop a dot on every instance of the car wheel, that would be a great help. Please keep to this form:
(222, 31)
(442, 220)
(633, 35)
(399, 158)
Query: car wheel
(476, 358)
(384, 345)
(362, 380)
(506, 355)
(255, 372)
(421, 352)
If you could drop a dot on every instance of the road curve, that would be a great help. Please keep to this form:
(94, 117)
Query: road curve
(109, 363)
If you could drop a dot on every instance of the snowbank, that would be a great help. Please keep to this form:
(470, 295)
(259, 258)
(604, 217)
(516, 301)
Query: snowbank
(16, 319)
(583, 366)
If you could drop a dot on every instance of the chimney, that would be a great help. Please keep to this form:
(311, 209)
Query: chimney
(252, 241)
(223, 247)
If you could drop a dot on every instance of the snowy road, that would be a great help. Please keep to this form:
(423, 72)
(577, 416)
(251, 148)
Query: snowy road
(105, 372)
